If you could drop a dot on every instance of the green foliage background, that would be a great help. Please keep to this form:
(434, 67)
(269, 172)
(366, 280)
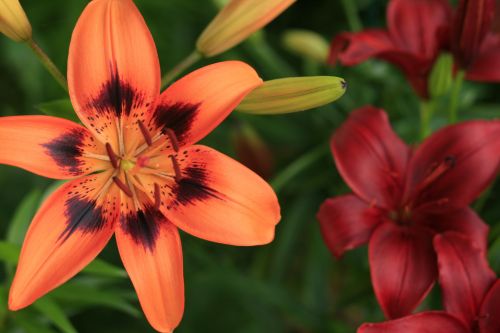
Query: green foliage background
(291, 285)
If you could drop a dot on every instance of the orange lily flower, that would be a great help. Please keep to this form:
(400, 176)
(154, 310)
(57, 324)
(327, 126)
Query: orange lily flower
(136, 171)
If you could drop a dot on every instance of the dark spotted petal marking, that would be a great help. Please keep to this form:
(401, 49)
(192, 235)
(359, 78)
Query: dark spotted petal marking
(143, 225)
(67, 149)
(178, 117)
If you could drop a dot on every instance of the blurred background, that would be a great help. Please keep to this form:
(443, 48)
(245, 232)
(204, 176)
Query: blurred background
(291, 285)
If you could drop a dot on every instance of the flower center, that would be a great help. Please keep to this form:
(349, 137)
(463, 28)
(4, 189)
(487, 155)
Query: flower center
(143, 161)
(402, 216)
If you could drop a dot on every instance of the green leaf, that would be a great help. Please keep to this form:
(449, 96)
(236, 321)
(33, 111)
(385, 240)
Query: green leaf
(30, 324)
(102, 268)
(9, 252)
(55, 313)
(77, 293)
(494, 255)
(23, 216)
(61, 108)
(51, 188)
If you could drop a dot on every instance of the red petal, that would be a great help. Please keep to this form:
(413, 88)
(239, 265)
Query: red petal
(425, 322)
(489, 322)
(414, 25)
(193, 106)
(486, 64)
(464, 221)
(217, 199)
(403, 267)
(113, 67)
(48, 146)
(371, 157)
(472, 22)
(69, 230)
(464, 275)
(347, 222)
(150, 248)
(354, 48)
(441, 168)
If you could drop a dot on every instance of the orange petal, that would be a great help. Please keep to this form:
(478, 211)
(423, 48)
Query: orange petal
(113, 67)
(69, 230)
(193, 106)
(48, 146)
(218, 199)
(150, 248)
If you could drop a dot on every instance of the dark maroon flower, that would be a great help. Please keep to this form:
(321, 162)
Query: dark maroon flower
(416, 33)
(471, 24)
(403, 197)
(471, 293)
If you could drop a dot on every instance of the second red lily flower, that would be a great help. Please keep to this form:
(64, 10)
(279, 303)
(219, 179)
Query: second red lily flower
(402, 198)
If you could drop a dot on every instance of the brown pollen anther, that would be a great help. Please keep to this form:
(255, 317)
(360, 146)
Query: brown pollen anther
(173, 139)
(145, 133)
(157, 196)
(177, 168)
(123, 187)
(113, 158)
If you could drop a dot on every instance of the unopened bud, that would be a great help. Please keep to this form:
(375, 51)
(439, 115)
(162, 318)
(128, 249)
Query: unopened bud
(307, 44)
(236, 22)
(13, 21)
(441, 77)
(293, 94)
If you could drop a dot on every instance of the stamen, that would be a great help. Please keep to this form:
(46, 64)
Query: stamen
(113, 158)
(447, 164)
(173, 139)
(177, 169)
(157, 196)
(145, 133)
(123, 187)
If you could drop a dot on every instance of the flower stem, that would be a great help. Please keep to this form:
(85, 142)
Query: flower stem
(455, 95)
(180, 68)
(297, 167)
(351, 12)
(48, 64)
(426, 111)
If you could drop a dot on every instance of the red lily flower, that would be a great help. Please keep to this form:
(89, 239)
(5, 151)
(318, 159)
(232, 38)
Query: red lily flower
(475, 46)
(138, 173)
(415, 35)
(471, 293)
(402, 198)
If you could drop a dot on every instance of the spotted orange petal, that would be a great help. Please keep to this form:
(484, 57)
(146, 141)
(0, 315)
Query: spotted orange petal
(70, 229)
(193, 106)
(113, 67)
(48, 146)
(151, 251)
(217, 199)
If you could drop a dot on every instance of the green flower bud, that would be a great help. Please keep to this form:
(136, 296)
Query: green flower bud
(293, 94)
(306, 44)
(441, 77)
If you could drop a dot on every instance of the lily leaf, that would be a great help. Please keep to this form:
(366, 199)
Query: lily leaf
(77, 293)
(61, 108)
(22, 217)
(9, 252)
(103, 268)
(55, 313)
(30, 324)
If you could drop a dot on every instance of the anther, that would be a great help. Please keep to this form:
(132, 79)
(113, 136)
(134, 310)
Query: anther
(173, 139)
(122, 186)
(145, 133)
(157, 196)
(177, 169)
(113, 158)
